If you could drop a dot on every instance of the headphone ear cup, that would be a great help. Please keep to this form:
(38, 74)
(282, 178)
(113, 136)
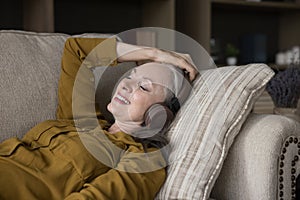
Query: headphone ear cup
(158, 117)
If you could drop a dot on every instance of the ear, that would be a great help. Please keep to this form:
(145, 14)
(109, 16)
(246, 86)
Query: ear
(173, 105)
(158, 117)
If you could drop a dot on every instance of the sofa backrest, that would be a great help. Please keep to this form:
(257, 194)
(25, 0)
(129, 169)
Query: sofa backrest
(29, 74)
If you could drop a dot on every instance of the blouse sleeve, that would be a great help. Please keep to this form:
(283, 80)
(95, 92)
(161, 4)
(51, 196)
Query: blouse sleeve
(80, 55)
(118, 183)
(121, 185)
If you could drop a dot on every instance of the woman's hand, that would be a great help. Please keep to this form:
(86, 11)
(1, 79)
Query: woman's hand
(128, 52)
(183, 61)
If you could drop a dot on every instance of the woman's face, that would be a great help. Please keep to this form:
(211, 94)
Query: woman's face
(143, 87)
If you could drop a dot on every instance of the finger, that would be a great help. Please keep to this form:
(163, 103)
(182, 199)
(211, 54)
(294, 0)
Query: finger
(191, 69)
(193, 74)
(180, 60)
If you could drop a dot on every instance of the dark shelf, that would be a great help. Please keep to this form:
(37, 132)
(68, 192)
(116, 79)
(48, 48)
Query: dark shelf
(262, 5)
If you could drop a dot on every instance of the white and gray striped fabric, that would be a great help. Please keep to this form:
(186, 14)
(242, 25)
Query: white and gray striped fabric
(206, 126)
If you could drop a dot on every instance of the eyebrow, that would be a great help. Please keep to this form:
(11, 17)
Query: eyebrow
(134, 71)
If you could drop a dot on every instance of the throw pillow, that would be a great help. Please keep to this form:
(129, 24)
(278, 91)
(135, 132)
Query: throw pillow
(206, 126)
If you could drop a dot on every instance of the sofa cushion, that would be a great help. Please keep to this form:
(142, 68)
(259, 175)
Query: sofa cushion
(206, 126)
(29, 73)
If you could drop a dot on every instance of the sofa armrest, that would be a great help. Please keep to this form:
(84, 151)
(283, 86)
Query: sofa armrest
(262, 162)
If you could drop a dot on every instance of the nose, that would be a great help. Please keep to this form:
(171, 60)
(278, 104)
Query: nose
(127, 85)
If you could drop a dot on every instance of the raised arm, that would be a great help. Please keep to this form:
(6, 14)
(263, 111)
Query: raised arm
(128, 52)
(75, 52)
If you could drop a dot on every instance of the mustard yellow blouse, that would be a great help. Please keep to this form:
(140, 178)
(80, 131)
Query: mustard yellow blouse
(50, 161)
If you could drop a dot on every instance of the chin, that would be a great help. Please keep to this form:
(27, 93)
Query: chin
(109, 107)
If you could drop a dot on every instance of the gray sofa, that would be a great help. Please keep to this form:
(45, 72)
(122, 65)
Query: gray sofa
(261, 164)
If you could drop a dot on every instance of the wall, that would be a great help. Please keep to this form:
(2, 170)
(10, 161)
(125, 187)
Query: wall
(73, 16)
(11, 14)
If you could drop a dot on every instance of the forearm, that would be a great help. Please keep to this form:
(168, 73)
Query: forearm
(137, 176)
(128, 52)
(121, 185)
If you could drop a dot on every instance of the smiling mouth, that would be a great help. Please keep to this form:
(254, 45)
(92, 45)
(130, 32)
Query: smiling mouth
(122, 99)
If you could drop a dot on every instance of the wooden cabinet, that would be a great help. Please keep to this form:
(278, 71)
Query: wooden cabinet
(228, 20)
(77, 16)
(38, 15)
(224, 20)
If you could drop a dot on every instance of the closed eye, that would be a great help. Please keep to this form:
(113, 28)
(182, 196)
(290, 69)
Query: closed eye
(143, 88)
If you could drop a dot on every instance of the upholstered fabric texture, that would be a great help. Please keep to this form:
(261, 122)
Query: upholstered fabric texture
(251, 166)
(206, 126)
(29, 73)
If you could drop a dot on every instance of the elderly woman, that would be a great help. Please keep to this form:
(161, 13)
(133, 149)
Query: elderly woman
(53, 162)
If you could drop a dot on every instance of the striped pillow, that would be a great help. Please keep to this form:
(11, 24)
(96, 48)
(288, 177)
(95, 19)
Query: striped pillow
(205, 128)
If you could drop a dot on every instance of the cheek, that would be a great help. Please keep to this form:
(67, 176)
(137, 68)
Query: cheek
(139, 106)
(161, 92)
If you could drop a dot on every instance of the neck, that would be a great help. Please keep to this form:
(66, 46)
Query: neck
(114, 128)
(127, 127)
